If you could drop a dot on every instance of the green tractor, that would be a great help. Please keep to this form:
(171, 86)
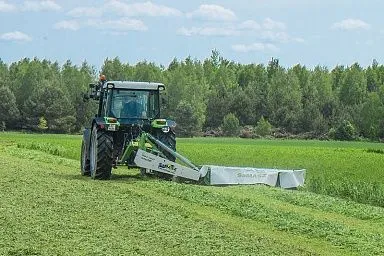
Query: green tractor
(128, 113)
(127, 130)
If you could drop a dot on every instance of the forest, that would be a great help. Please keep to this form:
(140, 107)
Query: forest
(216, 97)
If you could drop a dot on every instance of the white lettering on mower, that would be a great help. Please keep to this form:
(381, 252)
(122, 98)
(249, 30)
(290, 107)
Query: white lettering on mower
(223, 175)
(149, 161)
(167, 167)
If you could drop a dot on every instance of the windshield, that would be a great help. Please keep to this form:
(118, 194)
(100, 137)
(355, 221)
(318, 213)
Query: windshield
(134, 104)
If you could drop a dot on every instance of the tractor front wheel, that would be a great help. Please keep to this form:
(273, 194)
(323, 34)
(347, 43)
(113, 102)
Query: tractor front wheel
(84, 164)
(101, 154)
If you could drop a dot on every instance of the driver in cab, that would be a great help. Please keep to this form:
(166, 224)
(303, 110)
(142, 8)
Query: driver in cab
(133, 108)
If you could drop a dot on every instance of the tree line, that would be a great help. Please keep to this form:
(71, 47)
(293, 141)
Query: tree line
(216, 95)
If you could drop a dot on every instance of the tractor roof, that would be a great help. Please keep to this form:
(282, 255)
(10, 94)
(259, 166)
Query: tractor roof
(135, 85)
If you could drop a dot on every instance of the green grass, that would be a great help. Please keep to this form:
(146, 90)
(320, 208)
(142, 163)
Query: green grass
(351, 170)
(47, 208)
(61, 145)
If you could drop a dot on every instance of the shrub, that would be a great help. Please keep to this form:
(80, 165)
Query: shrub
(332, 133)
(263, 127)
(231, 125)
(345, 131)
(43, 125)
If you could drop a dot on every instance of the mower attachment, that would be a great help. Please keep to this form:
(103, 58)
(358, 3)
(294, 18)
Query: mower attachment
(211, 174)
(155, 163)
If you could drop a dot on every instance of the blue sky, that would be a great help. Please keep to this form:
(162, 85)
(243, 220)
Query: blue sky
(308, 32)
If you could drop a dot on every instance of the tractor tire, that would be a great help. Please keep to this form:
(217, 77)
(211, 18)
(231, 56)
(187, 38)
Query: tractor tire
(84, 162)
(101, 154)
(168, 139)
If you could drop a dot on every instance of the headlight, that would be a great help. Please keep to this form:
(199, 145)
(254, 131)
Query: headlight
(165, 129)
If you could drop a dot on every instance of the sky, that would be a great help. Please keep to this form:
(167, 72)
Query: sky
(306, 32)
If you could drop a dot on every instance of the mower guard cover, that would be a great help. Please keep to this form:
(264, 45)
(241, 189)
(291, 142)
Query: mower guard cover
(222, 175)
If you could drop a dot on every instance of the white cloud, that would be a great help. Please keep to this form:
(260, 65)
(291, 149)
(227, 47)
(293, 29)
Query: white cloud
(123, 24)
(116, 33)
(351, 24)
(6, 7)
(298, 40)
(67, 24)
(141, 9)
(85, 12)
(15, 36)
(245, 27)
(212, 12)
(243, 48)
(115, 27)
(207, 31)
(267, 25)
(45, 5)
(279, 37)
(270, 24)
(250, 25)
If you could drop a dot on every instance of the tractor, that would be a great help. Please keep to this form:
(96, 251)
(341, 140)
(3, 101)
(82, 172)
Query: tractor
(126, 110)
(127, 130)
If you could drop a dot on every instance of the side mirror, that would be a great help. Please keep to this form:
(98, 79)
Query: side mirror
(163, 101)
(92, 86)
(163, 98)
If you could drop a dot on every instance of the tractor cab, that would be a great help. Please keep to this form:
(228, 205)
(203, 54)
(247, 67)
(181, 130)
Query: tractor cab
(128, 102)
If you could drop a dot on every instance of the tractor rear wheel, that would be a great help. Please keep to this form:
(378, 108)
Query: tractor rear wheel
(84, 164)
(101, 154)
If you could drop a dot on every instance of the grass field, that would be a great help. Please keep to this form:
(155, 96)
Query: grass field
(350, 170)
(47, 208)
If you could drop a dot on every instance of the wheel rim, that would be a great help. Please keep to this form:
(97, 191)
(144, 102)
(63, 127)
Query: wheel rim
(83, 157)
(93, 153)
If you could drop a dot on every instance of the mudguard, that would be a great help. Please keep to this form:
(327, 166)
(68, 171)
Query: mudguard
(99, 121)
